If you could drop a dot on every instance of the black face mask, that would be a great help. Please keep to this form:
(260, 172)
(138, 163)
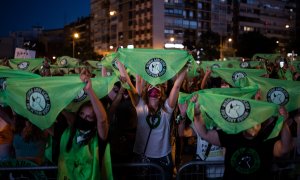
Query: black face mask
(84, 125)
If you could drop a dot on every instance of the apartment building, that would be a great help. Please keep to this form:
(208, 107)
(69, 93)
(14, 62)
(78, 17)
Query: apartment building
(157, 23)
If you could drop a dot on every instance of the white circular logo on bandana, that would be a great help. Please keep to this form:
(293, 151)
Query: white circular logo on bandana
(99, 65)
(2, 84)
(114, 63)
(156, 67)
(278, 95)
(215, 66)
(23, 65)
(234, 110)
(63, 62)
(237, 75)
(244, 64)
(80, 96)
(38, 101)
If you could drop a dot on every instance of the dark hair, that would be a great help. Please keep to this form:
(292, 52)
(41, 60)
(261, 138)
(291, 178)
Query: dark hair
(73, 127)
(32, 134)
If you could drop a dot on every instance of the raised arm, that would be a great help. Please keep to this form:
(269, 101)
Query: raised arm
(102, 122)
(176, 87)
(205, 78)
(139, 84)
(285, 143)
(210, 136)
(134, 96)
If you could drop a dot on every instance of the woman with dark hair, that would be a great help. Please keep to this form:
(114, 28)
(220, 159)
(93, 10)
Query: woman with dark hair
(29, 141)
(82, 143)
(154, 111)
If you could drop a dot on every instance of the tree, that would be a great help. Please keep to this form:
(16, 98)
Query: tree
(210, 43)
(254, 42)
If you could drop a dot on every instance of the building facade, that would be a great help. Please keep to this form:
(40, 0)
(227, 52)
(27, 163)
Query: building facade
(155, 23)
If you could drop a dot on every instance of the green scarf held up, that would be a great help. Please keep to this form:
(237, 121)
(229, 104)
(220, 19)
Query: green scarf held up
(67, 62)
(40, 100)
(101, 85)
(218, 64)
(231, 75)
(155, 66)
(11, 73)
(26, 64)
(281, 92)
(234, 114)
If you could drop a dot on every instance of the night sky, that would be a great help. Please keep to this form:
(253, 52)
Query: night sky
(19, 15)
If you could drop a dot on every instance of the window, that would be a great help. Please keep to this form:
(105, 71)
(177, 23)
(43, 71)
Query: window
(186, 23)
(193, 24)
(191, 14)
(200, 5)
(184, 13)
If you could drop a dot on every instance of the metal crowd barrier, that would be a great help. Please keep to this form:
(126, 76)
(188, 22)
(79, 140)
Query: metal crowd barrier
(281, 170)
(136, 171)
(193, 170)
(122, 171)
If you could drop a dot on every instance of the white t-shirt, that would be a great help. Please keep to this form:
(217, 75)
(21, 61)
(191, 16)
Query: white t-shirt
(159, 141)
(216, 153)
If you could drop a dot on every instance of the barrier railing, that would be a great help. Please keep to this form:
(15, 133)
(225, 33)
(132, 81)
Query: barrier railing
(285, 170)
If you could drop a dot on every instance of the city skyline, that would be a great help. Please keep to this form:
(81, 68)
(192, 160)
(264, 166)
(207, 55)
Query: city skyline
(16, 15)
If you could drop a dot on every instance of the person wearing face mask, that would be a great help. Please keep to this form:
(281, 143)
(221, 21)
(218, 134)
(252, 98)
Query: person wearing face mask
(83, 142)
(154, 111)
(249, 154)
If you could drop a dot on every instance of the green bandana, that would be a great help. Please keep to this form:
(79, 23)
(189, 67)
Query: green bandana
(231, 75)
(233, 114)
(26, 64)
(155, 66)
(41, 99)
(66, 61)
(281, 92)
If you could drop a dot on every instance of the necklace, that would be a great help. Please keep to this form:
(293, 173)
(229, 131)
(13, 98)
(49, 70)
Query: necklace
(151, 120)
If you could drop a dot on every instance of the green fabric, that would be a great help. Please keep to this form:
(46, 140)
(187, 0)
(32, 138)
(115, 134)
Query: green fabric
(82, 162)
(4, 67)
(101, 85)
(95, 64)
(218, 64)
(109, 62)
(233, 114)
(8, 73)
(245, 92)
(11, 73)
(42, 99)
(270, 57)
(66, 61)
(281, 92)
(155, 66)
(254, 64)
(192, 68)
(231, 75)
(26, 64)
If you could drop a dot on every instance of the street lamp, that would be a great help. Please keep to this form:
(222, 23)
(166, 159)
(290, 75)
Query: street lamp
(75, 36)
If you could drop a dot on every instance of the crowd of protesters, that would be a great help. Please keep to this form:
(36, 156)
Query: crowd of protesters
(144, 123)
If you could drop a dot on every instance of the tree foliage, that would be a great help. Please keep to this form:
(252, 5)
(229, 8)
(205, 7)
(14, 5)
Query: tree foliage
(254, 42)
